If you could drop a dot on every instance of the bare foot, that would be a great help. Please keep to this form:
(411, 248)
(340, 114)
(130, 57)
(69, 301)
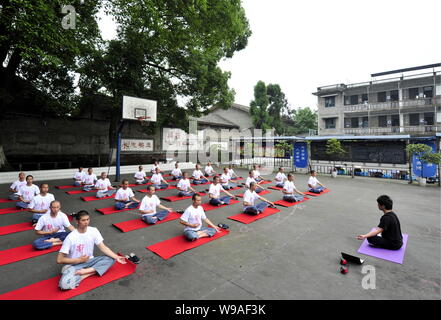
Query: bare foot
(83, 272)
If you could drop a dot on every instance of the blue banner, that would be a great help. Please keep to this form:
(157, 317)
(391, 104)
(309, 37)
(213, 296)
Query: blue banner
(428, 169)
(300, 154)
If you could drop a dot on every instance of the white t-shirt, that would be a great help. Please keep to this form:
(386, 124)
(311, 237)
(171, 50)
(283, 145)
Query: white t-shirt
(250, 197)
(176, 172)
(154, 168)
(140, 175)
(231, 172)
(184, 184)
(150, 203)
(225, 178)
(28, 193)
(79, 176)
(16, 185)
(78, 244)
(89, 179)
(103, 184)
(47, 222)
(215, 190)
(124, 195)
(280, 177)
(208, 169)
(41, 203)
(156, 178)
(289, 186)
(313, 181)
(197, 174)
(194, 215)
(256, 174)
(249, 180)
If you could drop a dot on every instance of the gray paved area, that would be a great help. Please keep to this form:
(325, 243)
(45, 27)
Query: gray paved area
(290, 255)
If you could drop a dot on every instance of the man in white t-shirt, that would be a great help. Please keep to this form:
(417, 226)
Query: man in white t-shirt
(157, 180)
(289, 188)
(104, 187)
(184, 187)
(256, 174)
(16, 185)
(26, 193)
(249, 198)
(89, 180)
(314, 185)
(148, 207)
(209, 171)
(155, 166)
(192, 220)
(198, 176)
(214, 194)
(250, 179)
(231, 172)
(140, 176)
(40, 203)
(176, 172)
(225, 180)
(77, 254)
(280, 178)
(125, 198)
(51, 227)
(78, 177)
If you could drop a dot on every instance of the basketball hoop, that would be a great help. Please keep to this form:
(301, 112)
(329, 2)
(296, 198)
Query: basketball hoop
(143, 120)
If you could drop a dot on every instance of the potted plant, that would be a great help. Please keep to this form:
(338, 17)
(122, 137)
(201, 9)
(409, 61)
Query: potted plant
(425, 155)
(334, 148)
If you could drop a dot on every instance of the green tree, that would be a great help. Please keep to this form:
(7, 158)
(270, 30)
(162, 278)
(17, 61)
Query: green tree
(259, 107)
(299, 121)
(334, 148)
(278, 104)
(424, 153)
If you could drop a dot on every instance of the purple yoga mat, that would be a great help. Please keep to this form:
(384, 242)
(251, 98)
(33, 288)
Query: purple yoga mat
(396, 256)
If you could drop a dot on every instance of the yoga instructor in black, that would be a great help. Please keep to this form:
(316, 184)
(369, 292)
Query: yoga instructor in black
(389, 227)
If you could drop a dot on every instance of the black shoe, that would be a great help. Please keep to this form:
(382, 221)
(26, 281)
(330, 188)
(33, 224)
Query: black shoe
(180, 211)
(271, 206)
(223, 226)
(134, 258)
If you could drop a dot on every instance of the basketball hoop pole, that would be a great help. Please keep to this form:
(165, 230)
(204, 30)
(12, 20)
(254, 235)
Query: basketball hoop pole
(118, 150)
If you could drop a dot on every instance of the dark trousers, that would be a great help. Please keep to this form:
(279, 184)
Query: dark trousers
(383, 243)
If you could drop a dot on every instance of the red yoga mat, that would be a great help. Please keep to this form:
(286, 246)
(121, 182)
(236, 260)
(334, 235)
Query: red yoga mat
(67, 187)
(137, 185)
(200, 184)
(4, 200)
(248, 218)
(10, 210)
(22, 253)
(260, 194)
(264, 182)
(48, 289)
(171, 247)
(136, 224)
(168, 188)
(275, 188)
(16, 228)
(317, 194)
(208, 207)
(80, 191)
(95, 198)
(110, 210)
(177, 198)
(284, 203)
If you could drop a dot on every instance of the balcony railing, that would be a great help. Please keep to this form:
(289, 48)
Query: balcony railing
(390, 105)
(424, 129)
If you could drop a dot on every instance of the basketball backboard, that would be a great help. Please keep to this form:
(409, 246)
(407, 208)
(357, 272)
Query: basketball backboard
(139, 109)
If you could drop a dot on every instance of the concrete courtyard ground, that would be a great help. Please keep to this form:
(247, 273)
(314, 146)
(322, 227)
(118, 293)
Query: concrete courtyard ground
(293, 254)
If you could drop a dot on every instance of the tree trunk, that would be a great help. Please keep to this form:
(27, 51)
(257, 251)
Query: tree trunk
(4, 164)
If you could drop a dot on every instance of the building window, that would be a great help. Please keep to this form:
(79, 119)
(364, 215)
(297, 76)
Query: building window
(364, 98)
(428, 92)
(413, 93)
(347, 122)
(381, 96)
(394, 95)
(330, 123)
(382, 121)
(365, 123)
(351, 100)
(395, 120)
(329, 102)
(354, 122)
(414, 119)
(429, 118)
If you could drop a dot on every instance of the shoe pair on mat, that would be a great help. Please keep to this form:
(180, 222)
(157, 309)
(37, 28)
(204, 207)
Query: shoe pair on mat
(133, 258)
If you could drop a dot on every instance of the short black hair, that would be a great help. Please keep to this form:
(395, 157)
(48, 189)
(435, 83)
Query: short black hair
(30, 175)
(122, 182)
(194, 196)
(150, 187)
(290, 175)
(80, 214)
(214, 178)
(312, 171)
(385, 201)
(44, 183)
(252, 183)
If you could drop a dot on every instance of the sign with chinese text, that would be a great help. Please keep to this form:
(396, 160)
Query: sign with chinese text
(300, 154)
(136, 145)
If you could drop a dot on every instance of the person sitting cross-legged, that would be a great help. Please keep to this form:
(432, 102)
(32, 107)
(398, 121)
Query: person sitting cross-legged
(104, 187)
(256, 174)
(225, 180)
(390, 228)
(184, 187)
(250, 179)
(198, 176)
(209, 171)
(154, 167)
(280, 178)
(158, 181)
(89, 180)
(289, 188)
(16, 185)
(314, 185)
(26, 193)
(125, 198)
(140, 176)
(232, 174)
(77, 254)
(148, 207)
(192, 220)
(176, 172)
(250, 196)
(40, 204)
(214, 193)
(51, 226)
(78, 177)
